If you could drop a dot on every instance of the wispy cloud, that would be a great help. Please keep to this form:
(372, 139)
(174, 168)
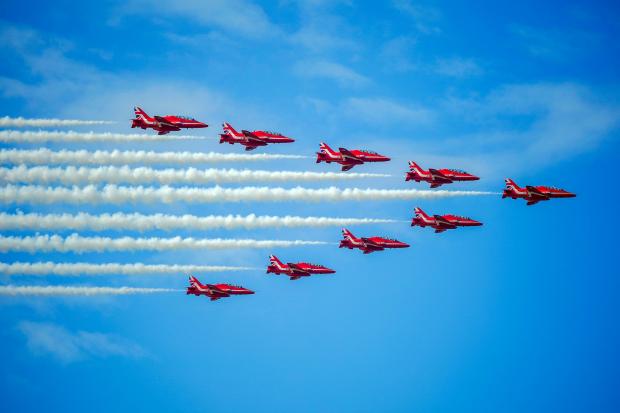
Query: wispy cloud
(425, 18)
(382, 110)
(556, 121)
(240, 17)
(322, 69)
(458, 67)
(48, 339)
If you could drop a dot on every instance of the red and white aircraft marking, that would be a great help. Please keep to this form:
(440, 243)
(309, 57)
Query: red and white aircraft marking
(534, 194)
(215, 291)
(442, 222)
(370, 244)
(295, 270)
(164, 124)
(251, 140)
(437, 177)
(347, 158)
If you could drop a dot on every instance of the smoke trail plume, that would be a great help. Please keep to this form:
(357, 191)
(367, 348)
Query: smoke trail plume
(82, 268)
(140, 222)
(72, 175)
(44, 156)
(113, 194)
(11, 136)
(46, 123)
(78, 244)
(50, 291)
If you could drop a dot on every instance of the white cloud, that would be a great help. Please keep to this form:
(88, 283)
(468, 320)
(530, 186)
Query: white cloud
(555, 121)
(69, 347)
(337, 72)
(396, 54)
(381, 110)
(458, 67)
(425, 18)
(234, 16)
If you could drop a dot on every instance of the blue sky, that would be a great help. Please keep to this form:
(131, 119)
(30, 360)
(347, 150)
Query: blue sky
(518, 315)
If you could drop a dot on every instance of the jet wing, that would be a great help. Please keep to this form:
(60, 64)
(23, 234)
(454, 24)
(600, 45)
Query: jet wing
(370, 245)
(253, 139)
(438, 177)
(163, 123)
(297, 271)
(443, 223)
(349, 157)
(535, 194)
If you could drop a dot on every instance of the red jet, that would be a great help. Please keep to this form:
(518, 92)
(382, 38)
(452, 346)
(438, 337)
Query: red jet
(215, 291)
(442, 222)
(164, 124)
(297, 270)
(251, 140)
(534, 194)
(347, 158)
(369, 245)
(437, 177)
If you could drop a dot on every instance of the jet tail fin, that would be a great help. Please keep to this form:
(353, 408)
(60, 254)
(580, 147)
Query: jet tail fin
(229, 130)
(419, 213)
(276, 262)
(141, 114)
(510, 184)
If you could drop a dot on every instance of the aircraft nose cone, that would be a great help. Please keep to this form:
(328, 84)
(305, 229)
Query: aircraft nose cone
(476, 223)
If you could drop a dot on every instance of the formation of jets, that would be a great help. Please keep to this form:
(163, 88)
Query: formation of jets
(347, 158)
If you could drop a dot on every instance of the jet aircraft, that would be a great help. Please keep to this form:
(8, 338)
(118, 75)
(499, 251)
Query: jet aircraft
(534, 194)
(251, 140)
(215, 291)
(347, 158)
(437, 177)
(441, 222)
(164, 124)
(295, 270)
(368, 245)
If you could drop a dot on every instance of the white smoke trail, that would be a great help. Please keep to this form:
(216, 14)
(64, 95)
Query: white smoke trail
(72, 175)
(44, 156)
(11, 136)
(140, 222)
(112, 194)
(82, 268)
(20, 122)
(78, 244)
(14, 290)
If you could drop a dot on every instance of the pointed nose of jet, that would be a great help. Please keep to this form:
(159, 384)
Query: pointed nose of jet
(288, 140)
(569, 194)
(401, 244)
(474, 223)
(201, 125)
(329, 271)
(383, 158)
